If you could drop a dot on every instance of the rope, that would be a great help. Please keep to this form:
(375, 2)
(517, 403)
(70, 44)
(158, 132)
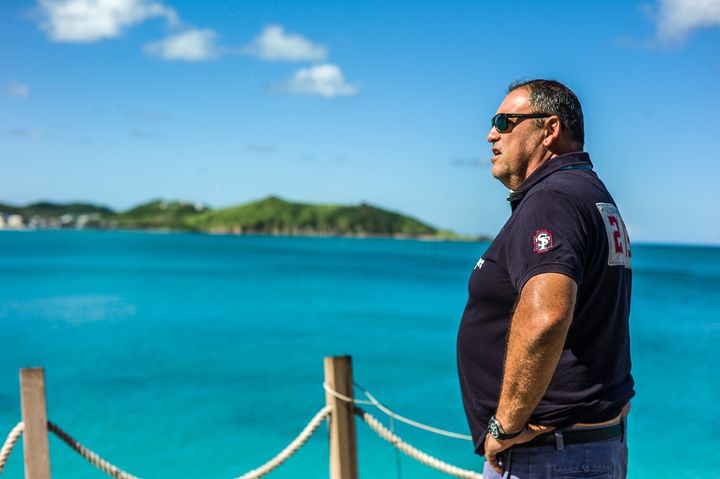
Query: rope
(12, 438)
(291, 448)
(113, 471)
(342, 397)
(435, 430)
(414, 453)
(377, 404)
(398, 465)
(93, 458)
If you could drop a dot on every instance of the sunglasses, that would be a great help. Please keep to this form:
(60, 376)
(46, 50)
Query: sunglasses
(502, 125)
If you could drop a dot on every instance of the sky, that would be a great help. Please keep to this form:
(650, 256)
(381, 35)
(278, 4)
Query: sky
(117, 102)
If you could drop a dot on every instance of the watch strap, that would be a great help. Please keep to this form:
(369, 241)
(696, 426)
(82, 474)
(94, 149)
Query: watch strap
(496, 430)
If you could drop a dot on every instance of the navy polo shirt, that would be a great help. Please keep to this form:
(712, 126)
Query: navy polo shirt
(563, 221)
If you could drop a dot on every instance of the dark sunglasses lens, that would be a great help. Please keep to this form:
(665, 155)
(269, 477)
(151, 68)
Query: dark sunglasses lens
(500, 123)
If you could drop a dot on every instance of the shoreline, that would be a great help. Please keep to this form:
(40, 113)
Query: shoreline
(358, 236)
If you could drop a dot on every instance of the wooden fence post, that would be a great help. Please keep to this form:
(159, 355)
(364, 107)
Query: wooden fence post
(34, 416)
(343, 445)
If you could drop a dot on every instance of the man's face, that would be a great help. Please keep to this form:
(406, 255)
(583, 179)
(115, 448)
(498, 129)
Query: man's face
(515, 149)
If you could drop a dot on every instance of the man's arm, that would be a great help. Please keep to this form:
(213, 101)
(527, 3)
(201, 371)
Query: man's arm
(537, 335)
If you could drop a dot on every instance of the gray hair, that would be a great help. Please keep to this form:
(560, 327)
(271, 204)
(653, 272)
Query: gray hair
(554, 98)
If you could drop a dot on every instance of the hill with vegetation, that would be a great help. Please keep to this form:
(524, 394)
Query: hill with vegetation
(277, 216)
(271, 215)
(55, 210)
(158, 214)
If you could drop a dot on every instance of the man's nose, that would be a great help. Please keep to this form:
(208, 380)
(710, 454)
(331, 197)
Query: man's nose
(493, 135)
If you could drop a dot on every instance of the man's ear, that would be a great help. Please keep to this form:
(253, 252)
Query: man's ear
(552, 130)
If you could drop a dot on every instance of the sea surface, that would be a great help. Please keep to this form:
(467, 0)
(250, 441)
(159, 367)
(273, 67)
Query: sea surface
(200, 356)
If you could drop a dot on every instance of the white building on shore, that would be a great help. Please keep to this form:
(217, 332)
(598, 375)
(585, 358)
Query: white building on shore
(11, 222)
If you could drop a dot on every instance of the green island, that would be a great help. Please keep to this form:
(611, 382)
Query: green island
(268, 216)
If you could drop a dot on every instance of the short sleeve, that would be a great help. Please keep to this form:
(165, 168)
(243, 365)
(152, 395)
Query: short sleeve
(548, 235)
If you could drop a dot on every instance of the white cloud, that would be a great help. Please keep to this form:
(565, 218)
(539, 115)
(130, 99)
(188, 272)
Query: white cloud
(84, 21)
(260, 149)
(18, 90)
(677, 18)
(324, 80)
(274, 44)
(22, 133)
(191, 45)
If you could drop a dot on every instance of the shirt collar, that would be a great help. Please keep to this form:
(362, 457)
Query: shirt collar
(560, 162)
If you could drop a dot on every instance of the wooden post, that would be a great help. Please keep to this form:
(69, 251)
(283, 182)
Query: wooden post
(343, 445)
(34, 416)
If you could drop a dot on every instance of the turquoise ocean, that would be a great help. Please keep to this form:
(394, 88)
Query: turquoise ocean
(201, 356)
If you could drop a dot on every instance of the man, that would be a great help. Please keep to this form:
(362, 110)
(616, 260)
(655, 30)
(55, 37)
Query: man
(543, 345)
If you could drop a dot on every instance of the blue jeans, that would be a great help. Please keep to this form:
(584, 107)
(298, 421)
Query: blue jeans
(601, 459)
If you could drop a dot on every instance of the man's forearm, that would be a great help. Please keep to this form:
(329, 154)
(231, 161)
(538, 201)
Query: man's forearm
(536, 339)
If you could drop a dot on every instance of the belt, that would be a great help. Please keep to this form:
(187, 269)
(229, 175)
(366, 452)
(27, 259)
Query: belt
(575, 436)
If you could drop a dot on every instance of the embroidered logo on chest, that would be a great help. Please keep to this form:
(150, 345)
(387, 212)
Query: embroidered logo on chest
(479, 264)
(542, 241)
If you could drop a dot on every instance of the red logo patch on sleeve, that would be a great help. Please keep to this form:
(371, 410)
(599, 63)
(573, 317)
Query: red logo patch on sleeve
(542, 241)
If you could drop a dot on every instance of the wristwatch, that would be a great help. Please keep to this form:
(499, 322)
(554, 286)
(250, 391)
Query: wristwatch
(497, 431)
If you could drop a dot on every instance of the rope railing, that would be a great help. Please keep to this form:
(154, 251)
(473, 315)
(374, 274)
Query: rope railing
(92, 458)
(396, 441)
(7, 448)
(342, 397)
(342, 430)
(291, 448)
(419, 425)
(114, 471)
(374, 402)
(412, 451)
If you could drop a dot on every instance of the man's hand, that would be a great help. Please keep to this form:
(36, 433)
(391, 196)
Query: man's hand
(493, 447)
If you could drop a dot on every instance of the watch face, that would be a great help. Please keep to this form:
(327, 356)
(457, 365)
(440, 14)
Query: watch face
(493, 428)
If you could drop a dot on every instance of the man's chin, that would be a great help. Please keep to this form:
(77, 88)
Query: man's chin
(497, 172)
(502, 176)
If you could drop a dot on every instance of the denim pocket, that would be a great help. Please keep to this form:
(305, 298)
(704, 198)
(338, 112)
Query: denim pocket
(587, 471)
(602, 459)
